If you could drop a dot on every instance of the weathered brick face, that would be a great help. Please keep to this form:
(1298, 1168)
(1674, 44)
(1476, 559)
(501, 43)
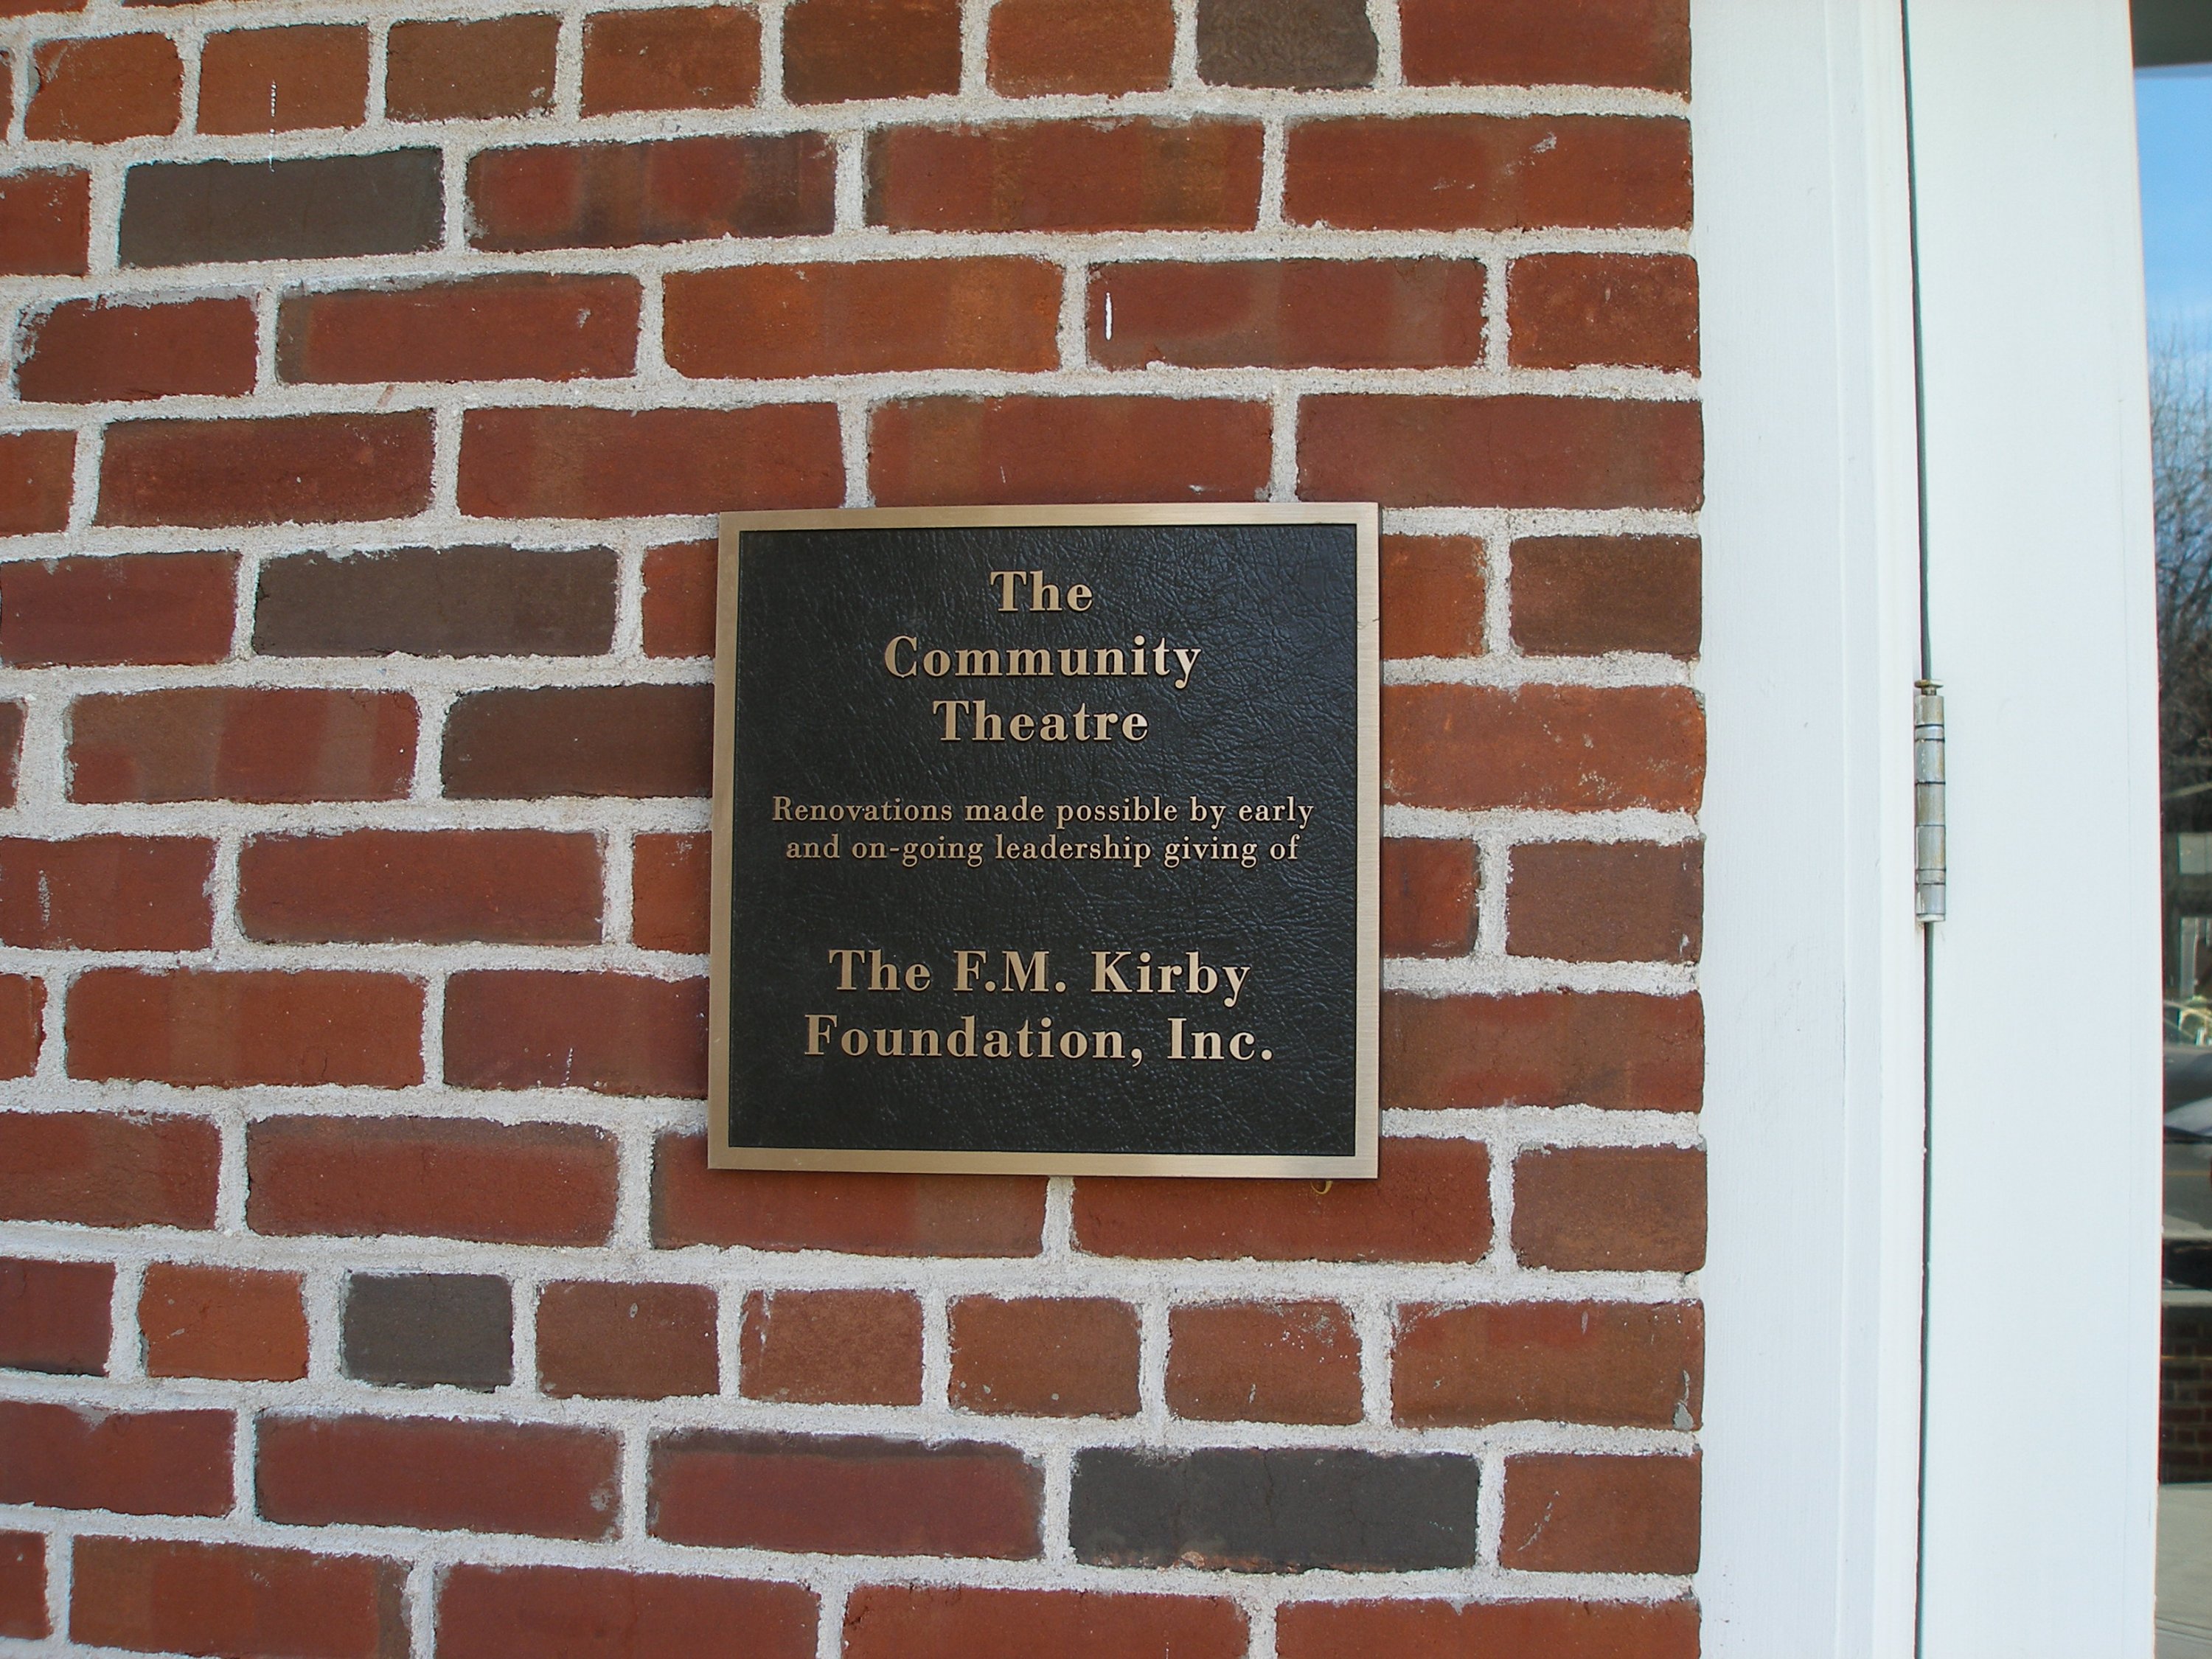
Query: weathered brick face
(373, 377)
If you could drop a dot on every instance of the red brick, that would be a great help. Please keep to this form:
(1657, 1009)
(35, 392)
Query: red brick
(103, 1170)
(54, 1316)
(1565, 310)
(583, 1613)
(1045, 1356)
(106, 893)
(36, 472)
(1623, 1364)
(158, 1596)
(778, 321)
(613, 463)
(1431, 1204)
(1584, 595)
(1617, 1049)
(27, 8)
(679, 599)
(22, 1005)
(668, 885)
(1288, 314)
(1607, 901)
(500, 1183)
(674, 190)
(834, 51)
(1067, 175)
(1570, 748)
(614, 1034)
(845, 1495)
(11, 748)
(1487, 1629)
(1432, 596)
(833, 1347)
(930, 451)
(23, 1584)
(494, 328)
(235, 1323)
(97, 91)
(493, 66)
(1508, 451)
(295, 469)
(246, 743)
(1599, 43)
(195, 1027)
(1428, 897)
(634, 740)
(1570, 1513)
(684, 58)
(1623, 1208)
(542, 1479)
(281, 79)
(433, 887)
(1489, 171)
(85, 351)
(1284, 1362)
(860, 1214)
(45, 219)
(130, 608)
(921, 1621)
(1038, 47)
(624, 1341)
(66, 1457)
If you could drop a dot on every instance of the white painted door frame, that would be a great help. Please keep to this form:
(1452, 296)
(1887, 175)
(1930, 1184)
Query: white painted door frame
(2042, 1239)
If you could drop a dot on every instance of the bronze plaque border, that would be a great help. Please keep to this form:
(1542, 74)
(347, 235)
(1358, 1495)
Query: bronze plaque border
(1366, 520)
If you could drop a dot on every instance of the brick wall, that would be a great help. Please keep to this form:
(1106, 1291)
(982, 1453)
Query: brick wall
(373, 375)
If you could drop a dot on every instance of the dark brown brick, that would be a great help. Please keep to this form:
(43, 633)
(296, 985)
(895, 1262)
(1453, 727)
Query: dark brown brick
(679, 599)
(54, 1316)
(242, 743)
(164, 1596)
(921, 1621)
(11, 748)
(1044, 1356)
(615, 1033)
(1572, 1514)
(1285, 43)
(635, 740)
(626, 1341)
(544, 1479)
(295, 469)
(491, 328)
(776, 321)
(130, 608)
(108, 88)
(1428, 897)
(1288, 314)
(1582, 595)
(586, 1613)
(1607, 901)
(684, 57)
(844, 1495)
(45, 219)
(36, 478)
(505, 1184)
(101, 1170)
(1625, 1208)
(131, 1462)
(1565, 310)
(1280, 1362)
(486, 67)
(1038, 47)
(437, 602)
(1622, 1365)
(432, 886)
(675, 190)
(1601, 43)
(1067, 175)
(85, 351)
(1487, 1629)
(418, 1330)
(1567, 748)
(833, 1347)
(330, 207)
(615, 463)
(207, 1029)
(23, 1585)
(277, 80)
(106, 893)
(931, 451)
(234, 1323)
(862, 1214)
(1617, 1049)
(836, 51)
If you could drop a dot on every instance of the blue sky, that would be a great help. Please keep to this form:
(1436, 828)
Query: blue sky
(2174, 135)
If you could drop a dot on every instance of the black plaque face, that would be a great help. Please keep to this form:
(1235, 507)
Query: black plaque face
(1046, 840)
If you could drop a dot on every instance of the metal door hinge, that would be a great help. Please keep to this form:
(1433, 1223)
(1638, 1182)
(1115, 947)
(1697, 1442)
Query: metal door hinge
(1930, 864)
